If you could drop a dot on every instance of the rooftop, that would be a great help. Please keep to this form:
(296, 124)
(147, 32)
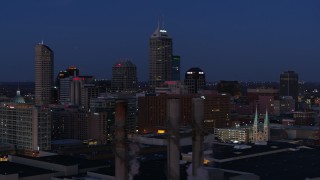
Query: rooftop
(293, 165)
(223, 152)
(22, 170)
(67, 161)
(160, 32)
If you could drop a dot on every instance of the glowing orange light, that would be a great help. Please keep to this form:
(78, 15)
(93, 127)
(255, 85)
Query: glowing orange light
(161, 131)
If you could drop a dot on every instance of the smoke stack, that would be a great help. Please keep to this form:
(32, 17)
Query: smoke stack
(173, 160)
(197, 135)
(121, 146)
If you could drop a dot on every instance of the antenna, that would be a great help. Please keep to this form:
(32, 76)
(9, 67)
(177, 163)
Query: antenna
(162, 22)
(158, 22)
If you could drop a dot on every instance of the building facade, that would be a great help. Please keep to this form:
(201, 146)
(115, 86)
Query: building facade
(216, 112)
(63, 84)
(260, 134)
(289, 84)
(176, 68)
(240, 134)
(195, 80)
(26, 126)
(152, 111)
(257, 133)
(160, 58)
(124, 77)
(231, 87)
(83, 88)
(103, 111)
(43, 75)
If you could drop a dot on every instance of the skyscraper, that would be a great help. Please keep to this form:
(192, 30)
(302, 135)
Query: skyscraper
(160, 58)
(124, 77)
(195, 80)
(176, 68)
(43, 75)
(25, 126)
(231, 87)
(289, 84)
(63, 84)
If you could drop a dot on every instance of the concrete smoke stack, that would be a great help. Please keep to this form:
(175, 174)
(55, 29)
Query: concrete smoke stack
(197, 135)
(173, 117)
(121, 145)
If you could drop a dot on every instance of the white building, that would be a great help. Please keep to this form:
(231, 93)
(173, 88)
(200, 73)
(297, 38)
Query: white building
(26, 126)
(257, 133)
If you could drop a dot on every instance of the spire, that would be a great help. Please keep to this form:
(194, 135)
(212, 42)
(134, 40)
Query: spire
(266, 119)
(255, 122)
(18, 92)
(160, 31)
(162, 24)
(158, 24)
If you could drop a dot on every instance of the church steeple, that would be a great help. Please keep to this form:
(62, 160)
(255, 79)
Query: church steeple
(255, 122)
(255, 127)
(266, 127)
(266, 119)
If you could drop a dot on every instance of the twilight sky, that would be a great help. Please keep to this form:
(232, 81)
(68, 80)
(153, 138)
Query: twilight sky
(245, 40)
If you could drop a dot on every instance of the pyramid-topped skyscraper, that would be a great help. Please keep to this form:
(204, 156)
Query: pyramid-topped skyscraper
(160, 58)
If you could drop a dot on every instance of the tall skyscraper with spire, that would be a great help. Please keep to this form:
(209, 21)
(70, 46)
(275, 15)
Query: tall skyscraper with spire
(160, 58)
(43, 74)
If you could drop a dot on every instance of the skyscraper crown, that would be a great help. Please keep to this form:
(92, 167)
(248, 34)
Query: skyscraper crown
(160, 32)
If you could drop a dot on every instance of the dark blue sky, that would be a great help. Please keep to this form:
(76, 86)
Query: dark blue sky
(231, 40)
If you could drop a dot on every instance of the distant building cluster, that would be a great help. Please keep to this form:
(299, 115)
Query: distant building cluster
(80, 115)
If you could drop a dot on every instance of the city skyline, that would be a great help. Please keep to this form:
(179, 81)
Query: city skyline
(245, 41)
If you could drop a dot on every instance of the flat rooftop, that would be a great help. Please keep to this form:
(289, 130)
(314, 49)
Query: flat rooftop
(222, 151)
(293, 165)
(23, 170)
(67, 161)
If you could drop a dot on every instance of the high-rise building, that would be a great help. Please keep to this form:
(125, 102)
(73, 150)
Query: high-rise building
(216, 111)
(65, 90)
(26, 126)
(43, 75)
(73, 71)
(160, 58)
(83, 88)
(70, 123)
(231, 87)
(195, 80)
(124, 77)
(103, 110)
(152, 114)
(289, 84)
(62, 84)
(176, 68)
